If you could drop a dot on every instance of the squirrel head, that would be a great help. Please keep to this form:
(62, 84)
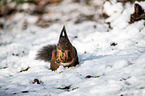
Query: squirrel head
(64, 43)
(138, 9)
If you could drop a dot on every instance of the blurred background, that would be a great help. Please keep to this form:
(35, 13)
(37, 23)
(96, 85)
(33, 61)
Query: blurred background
(19, 16)
(44, 13)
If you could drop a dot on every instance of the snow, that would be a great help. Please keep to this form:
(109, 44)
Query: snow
(120, 69)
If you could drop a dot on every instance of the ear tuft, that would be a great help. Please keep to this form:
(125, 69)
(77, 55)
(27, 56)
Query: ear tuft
(63, 32)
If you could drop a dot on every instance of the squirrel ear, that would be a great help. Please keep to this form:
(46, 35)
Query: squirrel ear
(138, 9)
(63, 32)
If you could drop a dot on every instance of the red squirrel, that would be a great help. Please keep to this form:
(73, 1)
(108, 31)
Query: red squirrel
(138, 14)
(64, 53)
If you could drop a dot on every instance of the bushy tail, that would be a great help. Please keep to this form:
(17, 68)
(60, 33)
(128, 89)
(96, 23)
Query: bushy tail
(45, 53)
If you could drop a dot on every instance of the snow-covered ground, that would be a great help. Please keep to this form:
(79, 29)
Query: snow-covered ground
(111, 60)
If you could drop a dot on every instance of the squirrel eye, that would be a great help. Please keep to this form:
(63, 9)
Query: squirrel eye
(66, 44)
